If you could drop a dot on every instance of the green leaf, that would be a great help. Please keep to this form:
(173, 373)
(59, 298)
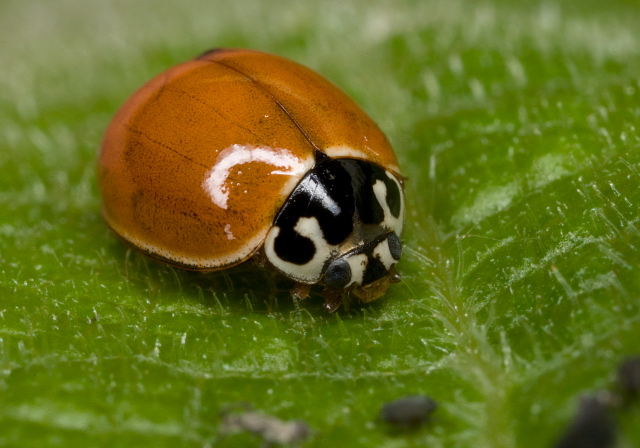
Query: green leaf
(516, 124)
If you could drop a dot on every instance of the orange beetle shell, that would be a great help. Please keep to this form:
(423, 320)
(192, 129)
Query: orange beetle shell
(197, 163)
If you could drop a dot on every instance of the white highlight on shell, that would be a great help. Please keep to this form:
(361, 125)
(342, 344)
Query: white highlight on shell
(390, 221)
(327, 202)
(216, 179)
(311, 271)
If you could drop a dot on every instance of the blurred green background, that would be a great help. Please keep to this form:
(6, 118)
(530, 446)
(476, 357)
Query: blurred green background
(516, 124)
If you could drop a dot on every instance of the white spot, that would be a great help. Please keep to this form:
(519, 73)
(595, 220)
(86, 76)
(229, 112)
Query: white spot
(227, 231)
(382, 253)
(216, 179)
(311, 271)
(358, 264)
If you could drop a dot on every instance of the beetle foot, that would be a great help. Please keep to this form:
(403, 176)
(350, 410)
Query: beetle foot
(394, 277)
(300, 290)
(332, 299)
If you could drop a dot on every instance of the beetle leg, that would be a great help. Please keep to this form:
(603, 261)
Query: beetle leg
(394, 277)
(260, 259)
(300, 290)
(332, 299)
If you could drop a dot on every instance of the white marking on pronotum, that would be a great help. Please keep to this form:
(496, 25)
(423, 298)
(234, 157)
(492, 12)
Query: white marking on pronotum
(358, 264)
(382, 253)
(215, 181)
(390, 221)
(311, 271)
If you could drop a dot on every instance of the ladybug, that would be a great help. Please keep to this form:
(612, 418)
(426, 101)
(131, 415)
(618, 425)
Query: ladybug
(240, 155)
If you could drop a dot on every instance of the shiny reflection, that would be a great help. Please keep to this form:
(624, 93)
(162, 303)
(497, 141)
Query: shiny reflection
(216, 182)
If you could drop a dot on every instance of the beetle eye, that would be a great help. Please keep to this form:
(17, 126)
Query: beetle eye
(395, 246)
(338, 274)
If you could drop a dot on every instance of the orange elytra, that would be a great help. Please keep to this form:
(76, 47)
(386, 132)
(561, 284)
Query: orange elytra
(239, 154)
